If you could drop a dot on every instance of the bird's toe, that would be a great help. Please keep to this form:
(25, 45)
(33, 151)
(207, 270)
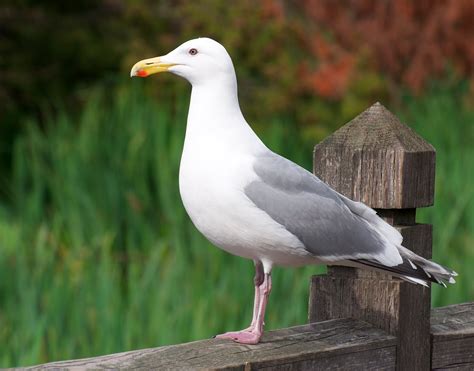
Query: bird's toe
(243, 337)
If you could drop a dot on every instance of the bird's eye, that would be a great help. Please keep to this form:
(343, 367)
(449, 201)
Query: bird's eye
(193, 51)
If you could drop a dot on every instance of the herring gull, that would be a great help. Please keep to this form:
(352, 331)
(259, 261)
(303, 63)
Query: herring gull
(254, 203)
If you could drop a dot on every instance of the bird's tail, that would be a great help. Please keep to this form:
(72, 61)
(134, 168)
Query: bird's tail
(414, 269)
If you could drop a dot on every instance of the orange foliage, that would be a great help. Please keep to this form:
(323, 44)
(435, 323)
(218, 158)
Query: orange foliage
(332, 76)
(410, 41)
(316, 61)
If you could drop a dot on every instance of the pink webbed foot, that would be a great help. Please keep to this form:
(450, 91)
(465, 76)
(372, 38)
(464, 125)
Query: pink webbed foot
(244, 337)
(252, 334)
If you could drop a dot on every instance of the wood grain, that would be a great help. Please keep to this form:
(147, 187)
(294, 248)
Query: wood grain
(343, 344)
(330, 345)
(452, 332)
(378, 160)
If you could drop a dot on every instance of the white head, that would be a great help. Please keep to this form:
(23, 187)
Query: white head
(200, 61)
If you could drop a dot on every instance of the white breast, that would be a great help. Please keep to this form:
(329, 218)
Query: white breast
(212, 180)
(216, 165)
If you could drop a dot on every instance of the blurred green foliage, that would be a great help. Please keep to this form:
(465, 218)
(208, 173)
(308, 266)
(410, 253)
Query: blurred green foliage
(97, 254)
(318, 62)
(445, 118)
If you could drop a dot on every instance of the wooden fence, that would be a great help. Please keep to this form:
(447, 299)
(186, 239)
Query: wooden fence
(357, 319)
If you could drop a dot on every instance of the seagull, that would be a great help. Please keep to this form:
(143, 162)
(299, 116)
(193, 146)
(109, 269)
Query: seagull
(256, 204)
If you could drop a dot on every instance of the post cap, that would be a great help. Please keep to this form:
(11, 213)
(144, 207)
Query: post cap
(378, 160)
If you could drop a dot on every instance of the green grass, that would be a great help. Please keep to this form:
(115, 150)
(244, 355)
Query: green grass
(442, 118)
(98, 256)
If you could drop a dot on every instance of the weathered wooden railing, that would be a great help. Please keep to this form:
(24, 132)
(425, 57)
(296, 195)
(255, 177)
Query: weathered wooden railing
(358, 319)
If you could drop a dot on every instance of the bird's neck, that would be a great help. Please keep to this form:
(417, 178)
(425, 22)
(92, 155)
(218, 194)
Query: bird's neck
(213, 103)
(215, 119)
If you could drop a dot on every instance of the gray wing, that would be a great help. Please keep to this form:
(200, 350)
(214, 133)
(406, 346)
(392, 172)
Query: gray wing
(307, 207)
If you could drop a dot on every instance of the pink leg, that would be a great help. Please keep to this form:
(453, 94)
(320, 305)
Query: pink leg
(265, 289)
(252, 334)
(257, 280)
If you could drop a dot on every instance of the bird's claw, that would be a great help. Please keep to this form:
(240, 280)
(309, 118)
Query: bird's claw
(244, 337)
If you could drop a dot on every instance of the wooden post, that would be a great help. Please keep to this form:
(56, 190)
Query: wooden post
(380, 161)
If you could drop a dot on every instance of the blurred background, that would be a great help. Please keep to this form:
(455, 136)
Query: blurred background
(96, 252)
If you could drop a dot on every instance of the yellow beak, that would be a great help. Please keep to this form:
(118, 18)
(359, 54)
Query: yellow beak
(149, 66)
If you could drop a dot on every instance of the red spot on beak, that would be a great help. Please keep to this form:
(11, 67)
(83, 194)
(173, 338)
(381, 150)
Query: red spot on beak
(142, 73)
